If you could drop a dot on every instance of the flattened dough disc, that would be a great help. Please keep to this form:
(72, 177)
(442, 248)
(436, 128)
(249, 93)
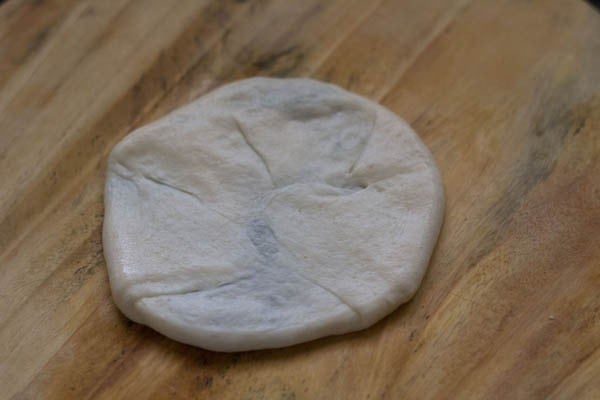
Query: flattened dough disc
(267, 213)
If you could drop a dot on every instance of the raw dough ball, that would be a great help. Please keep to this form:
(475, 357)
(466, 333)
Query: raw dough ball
(267, 213)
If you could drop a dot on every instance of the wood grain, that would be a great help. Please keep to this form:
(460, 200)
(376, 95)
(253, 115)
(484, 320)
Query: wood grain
(505, 93)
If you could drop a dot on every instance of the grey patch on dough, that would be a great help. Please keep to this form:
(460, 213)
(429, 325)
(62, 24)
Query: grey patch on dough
(262, 237)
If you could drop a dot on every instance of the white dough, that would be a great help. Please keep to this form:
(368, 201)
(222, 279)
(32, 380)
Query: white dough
(267, 213)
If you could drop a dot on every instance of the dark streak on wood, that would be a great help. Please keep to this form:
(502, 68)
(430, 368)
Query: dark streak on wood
(36, 42)
(268, 61)
(554, 122)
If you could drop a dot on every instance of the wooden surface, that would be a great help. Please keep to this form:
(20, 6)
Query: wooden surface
(506, 94)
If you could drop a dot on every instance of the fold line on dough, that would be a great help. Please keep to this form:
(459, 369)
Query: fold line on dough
(325, 288)
(171, 186)
(253, 148)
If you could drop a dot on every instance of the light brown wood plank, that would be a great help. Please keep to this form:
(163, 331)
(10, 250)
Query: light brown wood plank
(35, 22)
(577, 385)
(35, 83)
(378, 53)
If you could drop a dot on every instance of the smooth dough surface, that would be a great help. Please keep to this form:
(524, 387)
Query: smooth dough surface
(267, 213)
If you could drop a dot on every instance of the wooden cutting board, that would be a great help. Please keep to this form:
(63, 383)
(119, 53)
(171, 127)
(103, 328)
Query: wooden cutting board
(506, 94)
